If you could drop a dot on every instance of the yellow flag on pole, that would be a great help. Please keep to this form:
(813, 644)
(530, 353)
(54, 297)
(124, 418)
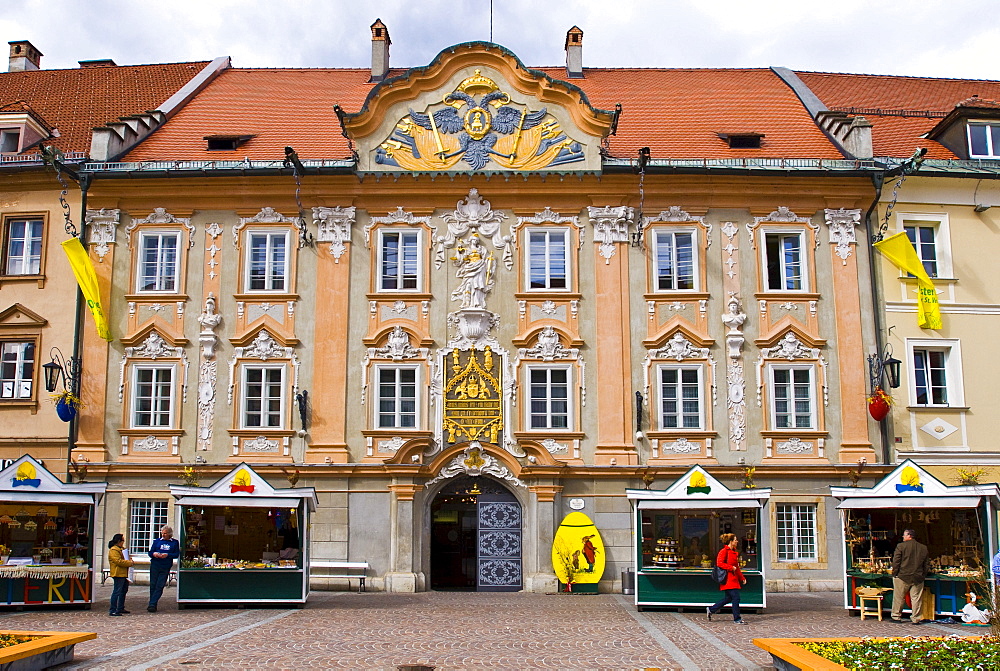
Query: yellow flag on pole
(86, 277)
(899, 250)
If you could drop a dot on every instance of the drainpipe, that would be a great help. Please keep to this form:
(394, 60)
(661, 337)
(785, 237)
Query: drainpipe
(83, 180)
(871, 225)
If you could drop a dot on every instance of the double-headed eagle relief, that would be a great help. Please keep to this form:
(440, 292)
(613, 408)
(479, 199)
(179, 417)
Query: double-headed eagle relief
(477, 131)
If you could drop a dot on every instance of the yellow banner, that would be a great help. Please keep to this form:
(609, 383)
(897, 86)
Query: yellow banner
(899, 250)
(86, 277)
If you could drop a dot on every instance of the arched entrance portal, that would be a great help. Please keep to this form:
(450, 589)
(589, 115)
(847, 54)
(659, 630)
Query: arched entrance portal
(475, 537)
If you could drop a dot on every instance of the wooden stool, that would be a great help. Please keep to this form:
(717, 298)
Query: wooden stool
(877, 598)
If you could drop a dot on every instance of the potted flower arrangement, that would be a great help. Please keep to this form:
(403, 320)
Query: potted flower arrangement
(67, 404)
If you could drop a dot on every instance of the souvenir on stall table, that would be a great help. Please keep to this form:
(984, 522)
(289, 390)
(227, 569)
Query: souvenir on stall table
(578, 554)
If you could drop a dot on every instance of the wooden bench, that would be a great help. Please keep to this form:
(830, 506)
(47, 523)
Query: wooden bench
(347, 570)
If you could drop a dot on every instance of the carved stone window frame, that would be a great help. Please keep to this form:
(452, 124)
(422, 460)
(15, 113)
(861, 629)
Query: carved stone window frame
(394, 349)
(400, 220)
(19, 324)
(679, 350)
(5, 223)
(785, 221)
(158, 221)
(793, 350)
(267, 221)
(676, 220)
(547, 220)
(547, 351)
(265, 350)
(155, 350)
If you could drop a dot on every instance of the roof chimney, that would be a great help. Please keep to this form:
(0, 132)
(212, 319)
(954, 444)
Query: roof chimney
(99, 63)
(380, 51)
(23, 56)
(574, 53)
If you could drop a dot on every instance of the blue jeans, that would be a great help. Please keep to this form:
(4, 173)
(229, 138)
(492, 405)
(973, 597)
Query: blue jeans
(730, 595)
(118, 595)
(157, 581)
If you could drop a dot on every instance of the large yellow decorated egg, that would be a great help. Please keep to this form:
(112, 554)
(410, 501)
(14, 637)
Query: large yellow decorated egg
(578, 554)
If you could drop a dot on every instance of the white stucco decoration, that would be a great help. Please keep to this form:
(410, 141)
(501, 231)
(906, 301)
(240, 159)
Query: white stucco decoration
(610, 227)
(842, 225)
(103, 227)
(160, 216)
(474, 461)
(473, 214)
(334, 226)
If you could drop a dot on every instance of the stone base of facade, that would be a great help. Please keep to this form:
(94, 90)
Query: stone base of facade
(805, 585)
(399, 581)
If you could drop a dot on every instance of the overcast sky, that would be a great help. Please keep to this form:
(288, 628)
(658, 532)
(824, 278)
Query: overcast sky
(937, 38)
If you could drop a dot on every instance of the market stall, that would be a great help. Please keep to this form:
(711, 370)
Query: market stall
(957, 523)
(243, 541)
(46, 529)
(676, 532)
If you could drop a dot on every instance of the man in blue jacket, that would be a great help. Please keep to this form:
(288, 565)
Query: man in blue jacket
(162, 553)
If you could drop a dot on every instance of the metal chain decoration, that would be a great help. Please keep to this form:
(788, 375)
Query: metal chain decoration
(292, 161)
(906, 168)
(53, 157)
(643, 162)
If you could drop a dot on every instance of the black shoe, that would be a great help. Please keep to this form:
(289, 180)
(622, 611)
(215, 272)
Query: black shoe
(115, 614)
(124, 612)
(708, 611)
(740, 622)
(151, 609)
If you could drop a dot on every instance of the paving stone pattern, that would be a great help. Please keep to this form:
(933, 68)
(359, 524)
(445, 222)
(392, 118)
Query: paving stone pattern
(446, 630)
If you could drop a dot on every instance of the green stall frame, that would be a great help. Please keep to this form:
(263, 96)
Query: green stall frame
(242, 494)
(957, 523)
(676, 539)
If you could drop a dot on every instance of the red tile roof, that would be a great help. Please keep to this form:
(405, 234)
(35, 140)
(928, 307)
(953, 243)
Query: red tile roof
(677, 113)
(75, 101)
(895, 105)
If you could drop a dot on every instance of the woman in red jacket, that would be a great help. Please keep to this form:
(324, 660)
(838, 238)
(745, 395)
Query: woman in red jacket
(729, 559)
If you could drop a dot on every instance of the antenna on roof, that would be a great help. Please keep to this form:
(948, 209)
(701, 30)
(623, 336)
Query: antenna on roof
(491, 20)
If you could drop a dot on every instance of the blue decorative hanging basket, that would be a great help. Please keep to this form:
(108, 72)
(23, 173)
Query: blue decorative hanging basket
(65, 409)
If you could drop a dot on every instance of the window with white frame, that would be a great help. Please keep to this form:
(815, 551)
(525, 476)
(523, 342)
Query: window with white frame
(930, 376)
(263, 397)
(152, 396)
(680, 397)
(792, 397)
(158, 261)
(397, 397)
(146, 518)
(674, 259)
(924, 240)
(548, 403)
(22, 247)
(547, 258)
(267, 261)
(10, 141)
(399, 260)
(984, 139)
(17, 369)
(796, 525)
(784, 261)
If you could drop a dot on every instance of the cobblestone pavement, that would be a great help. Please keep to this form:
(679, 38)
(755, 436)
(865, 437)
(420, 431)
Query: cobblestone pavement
(446, 630)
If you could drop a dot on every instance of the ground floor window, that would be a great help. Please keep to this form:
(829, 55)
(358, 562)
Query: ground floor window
(146, 518)
(796, 532)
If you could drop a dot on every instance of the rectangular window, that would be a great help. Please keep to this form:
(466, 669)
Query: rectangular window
(923, 239)
(23, 249)
(17, 369)
(146, 518)
(153, 396)
(796, 532)
(793, 397)
(930, 376)
(10, 141)
(263, 397)
(674, 259)
(549, 402)
(267, 264)
(547, 259)
(984, 140)
(397, 398)
(399, 260)
(783, 258)
(680, 398)
(158, 254)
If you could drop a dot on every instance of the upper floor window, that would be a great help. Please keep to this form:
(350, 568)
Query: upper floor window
(152, 396)
(984, 139)
(793, 397)
(17, 369)
(923, 239)
(10, 141)
(674, 259)
(267, 261)
(930, 376)
(158, 261)
(399, 260)
(263, 403)
(549, 397)
(397, 397)
(680, 397)
(784, 261)
(23, 247)
(547, 258)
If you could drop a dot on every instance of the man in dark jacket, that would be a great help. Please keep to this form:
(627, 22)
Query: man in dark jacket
(909, 568)
(162, 553)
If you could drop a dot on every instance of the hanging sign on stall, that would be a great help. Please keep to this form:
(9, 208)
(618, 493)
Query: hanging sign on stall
(698, 484)
(241, 482)
(909, 481)
(26, 476)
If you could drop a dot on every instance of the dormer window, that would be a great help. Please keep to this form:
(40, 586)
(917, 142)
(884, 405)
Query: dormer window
(226, 142)
(10, 141)
(742, 140)
(984, 139)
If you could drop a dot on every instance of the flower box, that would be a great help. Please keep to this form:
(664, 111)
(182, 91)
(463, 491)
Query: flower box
(46, 649)
(787, 655)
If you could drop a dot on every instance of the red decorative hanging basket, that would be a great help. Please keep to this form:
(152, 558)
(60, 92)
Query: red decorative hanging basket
(879, 404)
